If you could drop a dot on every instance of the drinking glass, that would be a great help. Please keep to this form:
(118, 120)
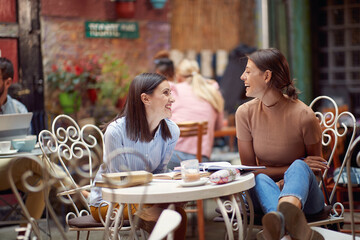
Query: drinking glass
(190, 170)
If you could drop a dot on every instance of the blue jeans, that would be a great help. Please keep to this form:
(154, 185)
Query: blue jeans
(299, 181)
(175, 161)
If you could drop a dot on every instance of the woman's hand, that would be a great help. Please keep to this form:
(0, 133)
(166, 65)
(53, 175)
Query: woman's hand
(316, 163)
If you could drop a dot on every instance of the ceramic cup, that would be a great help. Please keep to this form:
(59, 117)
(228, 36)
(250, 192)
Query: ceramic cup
(190, 170)
(5, 146)
(25, 144)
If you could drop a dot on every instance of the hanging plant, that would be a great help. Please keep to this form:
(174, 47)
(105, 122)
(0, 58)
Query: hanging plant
(158, 4)
(125, 8)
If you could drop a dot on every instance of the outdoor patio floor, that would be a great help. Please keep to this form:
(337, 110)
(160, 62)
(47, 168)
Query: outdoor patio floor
(213, 230)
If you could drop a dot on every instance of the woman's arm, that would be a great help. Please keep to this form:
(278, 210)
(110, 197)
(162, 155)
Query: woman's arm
(314, 157)
(247, 157)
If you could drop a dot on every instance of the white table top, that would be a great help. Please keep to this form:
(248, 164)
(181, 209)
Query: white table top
(34, 152)
(170, 191)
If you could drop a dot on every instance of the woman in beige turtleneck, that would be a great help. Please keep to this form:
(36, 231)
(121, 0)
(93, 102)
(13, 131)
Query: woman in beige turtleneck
(278, 131)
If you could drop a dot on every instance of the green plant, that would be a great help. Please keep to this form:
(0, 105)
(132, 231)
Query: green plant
(72, 75)
(100, 83)
(114, 81)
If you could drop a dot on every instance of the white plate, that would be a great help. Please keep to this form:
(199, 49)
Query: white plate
(9, 152)
(202, 181)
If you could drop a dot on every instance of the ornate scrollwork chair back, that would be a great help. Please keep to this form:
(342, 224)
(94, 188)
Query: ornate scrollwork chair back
(79, 151)
(33, 182)
(73, 155)
(335, 127)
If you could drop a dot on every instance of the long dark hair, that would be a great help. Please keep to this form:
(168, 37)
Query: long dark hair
(272, 59)
(137, 127)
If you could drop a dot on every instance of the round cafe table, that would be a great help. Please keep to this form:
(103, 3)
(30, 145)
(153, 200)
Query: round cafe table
(170, 191)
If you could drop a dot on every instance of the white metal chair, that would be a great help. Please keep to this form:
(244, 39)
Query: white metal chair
(349, 184)
(168, 221)
(30, 186)
(79, 153)
(331, 122)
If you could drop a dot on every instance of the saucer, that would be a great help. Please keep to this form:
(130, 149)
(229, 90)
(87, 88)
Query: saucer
(200, 182)
(9, 152)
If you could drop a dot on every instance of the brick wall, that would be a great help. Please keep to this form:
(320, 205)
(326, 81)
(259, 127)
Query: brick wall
(64, 38)
(63, 33)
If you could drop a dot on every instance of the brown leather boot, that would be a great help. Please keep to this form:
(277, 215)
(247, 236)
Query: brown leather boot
(296, 224)
(273, 226)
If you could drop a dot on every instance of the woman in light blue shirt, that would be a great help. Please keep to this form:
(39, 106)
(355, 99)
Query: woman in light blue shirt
(144, 126)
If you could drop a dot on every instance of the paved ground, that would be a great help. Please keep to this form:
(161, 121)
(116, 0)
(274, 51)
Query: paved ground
(214, 231)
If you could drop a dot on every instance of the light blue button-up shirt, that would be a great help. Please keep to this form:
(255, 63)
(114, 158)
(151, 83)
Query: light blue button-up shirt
(157, 153)
(13, 106)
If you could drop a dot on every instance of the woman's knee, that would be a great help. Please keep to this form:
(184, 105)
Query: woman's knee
(262, 178)
(300, 164)
(262, 181)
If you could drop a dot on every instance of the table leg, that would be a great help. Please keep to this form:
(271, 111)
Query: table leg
(231, 206)
(107, 221)
(251, 211)
(118, 217)
(235, 222)
(133, 234)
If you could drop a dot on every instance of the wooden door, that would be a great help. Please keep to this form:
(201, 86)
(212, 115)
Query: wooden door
(20, 42)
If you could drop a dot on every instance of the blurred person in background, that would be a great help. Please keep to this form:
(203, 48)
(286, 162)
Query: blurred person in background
(164, 65)
(8, 105)
(197, 99)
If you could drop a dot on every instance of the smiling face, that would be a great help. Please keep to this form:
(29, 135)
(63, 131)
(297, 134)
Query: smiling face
(159, 102)
(254, 80)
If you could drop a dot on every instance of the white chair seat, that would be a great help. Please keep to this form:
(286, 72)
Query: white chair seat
(330, 234)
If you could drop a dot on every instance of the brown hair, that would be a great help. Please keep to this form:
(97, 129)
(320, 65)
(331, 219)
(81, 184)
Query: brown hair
(6, 68)
(164, 65)
(272, 59)
(137, 127)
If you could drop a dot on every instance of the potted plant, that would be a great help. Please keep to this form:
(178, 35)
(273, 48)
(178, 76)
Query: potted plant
(125, 8)
(68, 81)
(113, 85)
(158, 4)
(98, 84)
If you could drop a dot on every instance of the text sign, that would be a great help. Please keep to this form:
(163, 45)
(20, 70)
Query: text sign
(112, 30)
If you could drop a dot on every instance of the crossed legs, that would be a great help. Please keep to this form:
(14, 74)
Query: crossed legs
(284, 207)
